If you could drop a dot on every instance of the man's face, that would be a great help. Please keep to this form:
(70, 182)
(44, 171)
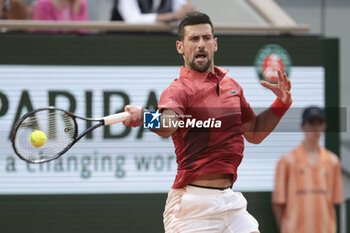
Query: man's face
(198, 47)
(313, 129)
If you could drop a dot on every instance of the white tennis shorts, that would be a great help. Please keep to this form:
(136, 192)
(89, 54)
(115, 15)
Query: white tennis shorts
(195, 209)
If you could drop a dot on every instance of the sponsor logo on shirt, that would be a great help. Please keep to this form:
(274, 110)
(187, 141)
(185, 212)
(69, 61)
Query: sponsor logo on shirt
(233, 92)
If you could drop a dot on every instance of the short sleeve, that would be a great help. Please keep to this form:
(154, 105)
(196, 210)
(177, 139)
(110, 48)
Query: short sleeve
(247, 112)
(338, 188)
(279, 195)
(173, 98)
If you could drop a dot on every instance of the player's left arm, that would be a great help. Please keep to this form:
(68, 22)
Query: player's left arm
(258, 129)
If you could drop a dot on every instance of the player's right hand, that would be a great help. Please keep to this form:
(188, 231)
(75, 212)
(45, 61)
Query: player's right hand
(135, 118)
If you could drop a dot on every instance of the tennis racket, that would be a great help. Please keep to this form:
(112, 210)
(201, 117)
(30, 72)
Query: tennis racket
(58, 132)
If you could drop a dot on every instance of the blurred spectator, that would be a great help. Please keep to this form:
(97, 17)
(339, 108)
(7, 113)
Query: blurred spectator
(145, 11)
(12, 9)
(61, 10)
(308, 182)
(30, 7)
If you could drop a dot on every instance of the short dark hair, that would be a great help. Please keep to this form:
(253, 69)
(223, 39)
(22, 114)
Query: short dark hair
(193, 18)
(314, 112)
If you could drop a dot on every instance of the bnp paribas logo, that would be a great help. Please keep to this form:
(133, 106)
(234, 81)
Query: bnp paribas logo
(270, 58)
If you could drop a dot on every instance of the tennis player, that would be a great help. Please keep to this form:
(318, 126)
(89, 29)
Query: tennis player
(201, 198)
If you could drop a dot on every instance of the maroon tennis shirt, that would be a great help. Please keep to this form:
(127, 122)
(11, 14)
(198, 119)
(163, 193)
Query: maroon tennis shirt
(207, 147)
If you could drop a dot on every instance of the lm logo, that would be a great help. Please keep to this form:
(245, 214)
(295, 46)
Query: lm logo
(151, 120)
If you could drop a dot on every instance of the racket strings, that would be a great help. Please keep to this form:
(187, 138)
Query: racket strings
(58, 127)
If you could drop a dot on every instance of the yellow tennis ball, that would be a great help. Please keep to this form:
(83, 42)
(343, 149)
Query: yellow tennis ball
(38, 138)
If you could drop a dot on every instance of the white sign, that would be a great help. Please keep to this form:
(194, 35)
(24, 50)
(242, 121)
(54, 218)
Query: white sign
(115, 160)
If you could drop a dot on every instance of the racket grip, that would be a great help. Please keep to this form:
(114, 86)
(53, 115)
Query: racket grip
(115, 118)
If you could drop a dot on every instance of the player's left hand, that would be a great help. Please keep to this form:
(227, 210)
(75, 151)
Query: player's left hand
(281, 89)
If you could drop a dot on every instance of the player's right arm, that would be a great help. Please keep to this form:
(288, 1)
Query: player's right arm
(172, 103)
(135, 119)
(171, 118)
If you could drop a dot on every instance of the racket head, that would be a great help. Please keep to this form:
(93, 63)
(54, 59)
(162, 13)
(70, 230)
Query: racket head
(59, 126)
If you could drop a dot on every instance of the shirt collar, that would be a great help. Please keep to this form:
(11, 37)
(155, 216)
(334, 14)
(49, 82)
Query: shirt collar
(218, 75)
(303, 156)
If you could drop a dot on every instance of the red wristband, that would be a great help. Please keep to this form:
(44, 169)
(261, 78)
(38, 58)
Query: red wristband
(279, 108)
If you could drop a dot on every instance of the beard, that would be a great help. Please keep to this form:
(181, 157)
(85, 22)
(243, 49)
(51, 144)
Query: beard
(200, 68)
